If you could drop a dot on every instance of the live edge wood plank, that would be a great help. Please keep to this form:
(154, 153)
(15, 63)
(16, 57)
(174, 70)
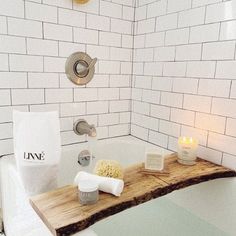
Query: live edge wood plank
(61, 212)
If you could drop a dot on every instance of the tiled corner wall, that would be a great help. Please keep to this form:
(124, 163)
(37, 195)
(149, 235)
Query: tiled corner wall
(37, 36)
(185, 75)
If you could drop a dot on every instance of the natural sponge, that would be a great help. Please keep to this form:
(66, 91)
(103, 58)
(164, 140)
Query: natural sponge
(109, 168)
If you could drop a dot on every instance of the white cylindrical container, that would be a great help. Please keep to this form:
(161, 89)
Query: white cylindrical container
(88, 192)
(187, 150)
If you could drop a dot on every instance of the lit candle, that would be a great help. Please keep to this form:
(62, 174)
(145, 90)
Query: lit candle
(187, 150)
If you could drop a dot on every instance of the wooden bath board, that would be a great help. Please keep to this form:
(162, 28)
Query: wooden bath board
(61, 212)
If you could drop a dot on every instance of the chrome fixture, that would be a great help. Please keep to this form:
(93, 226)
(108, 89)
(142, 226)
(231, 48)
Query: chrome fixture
(80, 68)
(84, 158)
(82, 127)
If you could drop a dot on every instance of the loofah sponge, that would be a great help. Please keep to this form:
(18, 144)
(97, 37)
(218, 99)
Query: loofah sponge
(109, 168)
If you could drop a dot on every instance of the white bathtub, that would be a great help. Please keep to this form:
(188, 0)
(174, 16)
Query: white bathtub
(20, 219)
(207, 209)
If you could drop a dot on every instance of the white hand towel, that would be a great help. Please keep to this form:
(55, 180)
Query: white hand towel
(106, 184)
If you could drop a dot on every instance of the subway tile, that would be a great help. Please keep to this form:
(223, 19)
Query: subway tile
(128, 13)
(26, 63)
(161, 112)
(224, 107)
(127, 41)
(182, 116)
(120, 80)
(42, 47)
(213, 87)
(4, 62)
(222, 143)
(191, 17)
(174, 69)
(13, 80)
(185, 85)
(98, 22)
(226, 70)
(198, 3)
(155, 39)
(101, 52)
(3, 25)
(218, 51)
(177, 37)
(27, 96)
(6, 146)
(110, 9)
(119, 106)
(109, 67)
(189, 52)
(125, 93)
(146, 26)
(209, 154)
(6, 131)
(58, 95)
(67, 48)
(57, 32)
(143, 54)
(85, 36)
(108, 119)
(119, 130)
(22, 27)
(43, 80)
(108, 94)
(139, 132)
(109, 39)
(153, 68)
(144, 82)
(97, 107)
(231, 127)
(221, 12)
(169, 128)
(12, 44)
(120, 54)
(71, 18)
(140, 12)
(233, 90)
(204, 33)
(158, 139)
(229, 161)
(156, 8)
(5, 97)
(197, 103)
(54, 64)
(6, 112)
(61, 3)
(141, 107)
(99, 81)
(121, 26)
(125, 117)
(40, 12)
(162, 83)
(201, 69)
(72, 109)
(44, 107)
(12, 8)
(228, 30)
(164, 54)
(151, 96)
(176, 6)
(167, 22)
(172, 99)
(139, 40)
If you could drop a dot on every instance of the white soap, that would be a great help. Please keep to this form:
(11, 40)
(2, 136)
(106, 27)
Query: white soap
(154, 160)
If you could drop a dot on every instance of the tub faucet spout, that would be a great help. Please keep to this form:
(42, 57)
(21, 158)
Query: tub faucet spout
(82, 127)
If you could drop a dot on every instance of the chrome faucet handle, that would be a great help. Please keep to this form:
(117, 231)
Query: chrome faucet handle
(82, 127)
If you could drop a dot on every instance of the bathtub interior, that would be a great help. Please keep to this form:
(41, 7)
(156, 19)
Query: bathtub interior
(205, 209)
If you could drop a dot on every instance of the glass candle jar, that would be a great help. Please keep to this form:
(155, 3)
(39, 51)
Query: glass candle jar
(88, 192)
(187, 150)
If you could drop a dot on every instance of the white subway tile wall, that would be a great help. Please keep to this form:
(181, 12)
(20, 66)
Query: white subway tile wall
(166, 68)
(185, 51)
(36, 37)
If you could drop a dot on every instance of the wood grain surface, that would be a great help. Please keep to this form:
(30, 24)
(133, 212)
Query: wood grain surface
(61, 211)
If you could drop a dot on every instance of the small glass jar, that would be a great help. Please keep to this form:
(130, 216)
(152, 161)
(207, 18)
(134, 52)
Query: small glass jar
(88, 192)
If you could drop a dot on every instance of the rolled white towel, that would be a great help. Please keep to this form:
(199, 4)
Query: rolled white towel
(106, 184)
